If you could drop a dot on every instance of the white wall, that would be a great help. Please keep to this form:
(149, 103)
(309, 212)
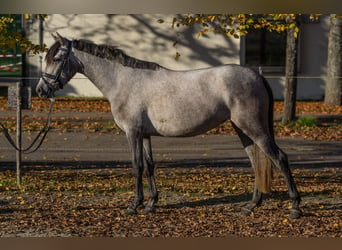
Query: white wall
(143, 37)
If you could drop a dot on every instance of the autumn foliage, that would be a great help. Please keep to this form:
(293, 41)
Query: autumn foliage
(237, 25)
(10, 39)
(194, 202)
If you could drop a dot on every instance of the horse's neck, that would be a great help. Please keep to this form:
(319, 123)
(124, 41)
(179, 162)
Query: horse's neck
(99, 71)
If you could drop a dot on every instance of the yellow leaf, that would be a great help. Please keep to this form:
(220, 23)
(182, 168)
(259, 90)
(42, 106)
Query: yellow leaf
(285, 221)
(250, 21)
(295, 34)
(292, 25)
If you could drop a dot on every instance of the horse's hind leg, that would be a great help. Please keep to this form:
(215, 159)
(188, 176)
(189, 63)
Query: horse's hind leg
(257, 195)
(267, 145)
(279, 159)
(149, 165)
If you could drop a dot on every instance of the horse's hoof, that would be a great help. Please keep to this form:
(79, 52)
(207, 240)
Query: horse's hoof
(131, 211)
(149, 210)
(295, 214)
(246, 211)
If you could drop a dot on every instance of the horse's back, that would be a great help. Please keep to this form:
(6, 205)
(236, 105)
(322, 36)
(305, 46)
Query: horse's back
(184, 103)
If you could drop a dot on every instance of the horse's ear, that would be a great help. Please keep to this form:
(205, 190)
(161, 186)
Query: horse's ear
(59, 38)
(54, 37)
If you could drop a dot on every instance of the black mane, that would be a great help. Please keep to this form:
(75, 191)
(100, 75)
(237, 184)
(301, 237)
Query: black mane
(113, 53)
(106, 52)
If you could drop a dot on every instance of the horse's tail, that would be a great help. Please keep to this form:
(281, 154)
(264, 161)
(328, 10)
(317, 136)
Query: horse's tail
(262, 163)
(263, 170)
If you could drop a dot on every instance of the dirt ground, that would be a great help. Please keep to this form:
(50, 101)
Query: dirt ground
(203, 183)
(194, 201)
(80, 182)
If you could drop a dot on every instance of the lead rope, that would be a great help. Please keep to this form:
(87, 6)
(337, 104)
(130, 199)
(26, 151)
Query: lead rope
(42, 132)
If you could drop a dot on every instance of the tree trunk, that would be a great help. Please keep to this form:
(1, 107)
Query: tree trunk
(290, 92)
(333, 85)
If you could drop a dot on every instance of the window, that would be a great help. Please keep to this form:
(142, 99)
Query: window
(11, 59)
(264, 48)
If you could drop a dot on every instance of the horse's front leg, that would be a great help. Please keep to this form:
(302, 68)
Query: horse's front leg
(135, 143)
(149, 165)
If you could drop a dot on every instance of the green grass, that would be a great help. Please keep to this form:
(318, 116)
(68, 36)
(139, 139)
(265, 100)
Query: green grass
(307, 121)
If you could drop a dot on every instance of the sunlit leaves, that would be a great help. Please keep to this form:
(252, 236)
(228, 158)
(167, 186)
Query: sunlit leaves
(10, 39)
(237, 25)
(4, 21)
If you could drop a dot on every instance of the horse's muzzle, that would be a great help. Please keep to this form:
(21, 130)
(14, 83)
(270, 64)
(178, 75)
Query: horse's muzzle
(43, 90)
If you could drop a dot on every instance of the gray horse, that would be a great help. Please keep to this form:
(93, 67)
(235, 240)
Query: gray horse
(149, 100)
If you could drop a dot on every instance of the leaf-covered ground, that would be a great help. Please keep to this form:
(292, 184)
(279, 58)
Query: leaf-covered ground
(73, 107)
(197, 201)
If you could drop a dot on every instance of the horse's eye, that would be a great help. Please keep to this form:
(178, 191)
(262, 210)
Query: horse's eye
(57, 59)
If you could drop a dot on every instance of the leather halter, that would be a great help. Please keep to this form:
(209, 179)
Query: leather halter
(55, 84)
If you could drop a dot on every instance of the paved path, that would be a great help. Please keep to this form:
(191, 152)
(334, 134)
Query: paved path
(86, 149)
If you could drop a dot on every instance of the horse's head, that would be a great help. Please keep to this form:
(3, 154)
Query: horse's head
(61, 66)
